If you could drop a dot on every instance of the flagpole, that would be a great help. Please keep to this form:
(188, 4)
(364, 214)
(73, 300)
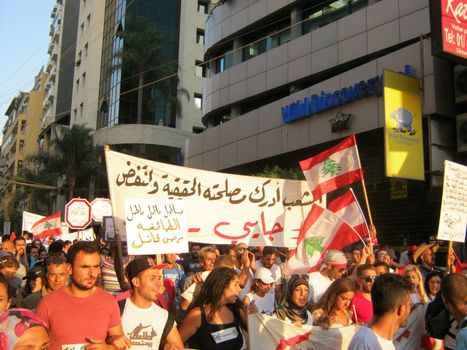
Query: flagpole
(372, 230)
(449, 259)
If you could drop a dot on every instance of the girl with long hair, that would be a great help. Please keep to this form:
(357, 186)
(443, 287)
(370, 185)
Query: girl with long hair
(433, 284)
(332, 311)
(413, 275)
(214, 321)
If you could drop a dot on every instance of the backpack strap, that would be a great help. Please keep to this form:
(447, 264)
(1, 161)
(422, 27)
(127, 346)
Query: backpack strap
(121, 305)
(169, 324)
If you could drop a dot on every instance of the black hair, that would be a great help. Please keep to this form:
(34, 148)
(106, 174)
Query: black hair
(213, 288)
(82, 246)
(19, 239)
(388, 292)
(381, 263)
(429, 277)
(4, 281)
(269, 250)
(454, 288)
(364, 267)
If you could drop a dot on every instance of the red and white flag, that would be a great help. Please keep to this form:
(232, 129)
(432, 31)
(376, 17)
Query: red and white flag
(321, 231)
(347, 207)
(48, 226)
(336, 167)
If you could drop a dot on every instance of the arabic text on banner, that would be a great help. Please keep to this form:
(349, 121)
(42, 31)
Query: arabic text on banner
(453, 216)
(155, 226)
(220, 208)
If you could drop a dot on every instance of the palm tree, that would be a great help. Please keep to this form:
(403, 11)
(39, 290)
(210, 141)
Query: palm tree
(144, 55)
(71, 157)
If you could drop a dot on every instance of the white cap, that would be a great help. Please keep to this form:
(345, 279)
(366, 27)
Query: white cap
(335, 257)
(264, 275)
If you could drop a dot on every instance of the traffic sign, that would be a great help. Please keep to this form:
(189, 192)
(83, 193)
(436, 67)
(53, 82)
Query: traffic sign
(78, 213)
(100, 207)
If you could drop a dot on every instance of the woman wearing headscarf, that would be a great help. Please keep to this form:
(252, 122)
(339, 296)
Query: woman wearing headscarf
(294, 306)
(22, 329)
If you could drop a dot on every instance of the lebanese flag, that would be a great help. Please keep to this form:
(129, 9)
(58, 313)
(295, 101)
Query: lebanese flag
(336, 167)
(321, 231)
(48, 226)
(347, 207)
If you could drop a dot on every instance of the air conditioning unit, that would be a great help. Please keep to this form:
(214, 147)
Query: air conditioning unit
(460, 83)
(461, 131)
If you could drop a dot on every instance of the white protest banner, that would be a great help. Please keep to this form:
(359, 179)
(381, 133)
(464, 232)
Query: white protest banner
(86, 235)
(155, 226)
(266, 332)
(220, 208)
(69, 236)
(453, 216)
(30, 219)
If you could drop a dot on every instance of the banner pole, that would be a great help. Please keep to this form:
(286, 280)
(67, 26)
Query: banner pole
(450, 258)
(372, 227)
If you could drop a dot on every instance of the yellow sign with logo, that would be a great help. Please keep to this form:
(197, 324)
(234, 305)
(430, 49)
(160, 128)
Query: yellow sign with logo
(403, 133)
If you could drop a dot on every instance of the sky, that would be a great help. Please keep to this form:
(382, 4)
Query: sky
(24, 38)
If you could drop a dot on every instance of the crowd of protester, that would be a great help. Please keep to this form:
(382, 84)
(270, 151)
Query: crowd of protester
(58, 294)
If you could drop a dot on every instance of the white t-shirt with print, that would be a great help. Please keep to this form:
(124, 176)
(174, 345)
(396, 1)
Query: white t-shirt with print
(264, 304)
(144, 327)
(367, 339)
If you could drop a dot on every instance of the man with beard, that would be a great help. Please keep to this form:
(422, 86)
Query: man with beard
(191, 264)
(81, 313)
(391, 308)
(424, 256)
(361, 303)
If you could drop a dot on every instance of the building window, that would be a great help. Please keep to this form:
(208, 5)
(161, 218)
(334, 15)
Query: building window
(199, 69)
(198, 98)
(200, 36)
(86, 50)
(75, 114)
(88, 20)
(203, 7)
(77, 85)
(81, 107)
(83, 79)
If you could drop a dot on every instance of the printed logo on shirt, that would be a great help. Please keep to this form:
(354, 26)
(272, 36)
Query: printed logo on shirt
(74, 346)
(142, 336)
(225, 335)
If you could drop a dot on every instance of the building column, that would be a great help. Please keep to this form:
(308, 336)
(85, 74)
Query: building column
(296, 29)
(237, 51)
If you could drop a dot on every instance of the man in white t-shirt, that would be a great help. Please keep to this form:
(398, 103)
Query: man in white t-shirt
(145, 323)
(268, 261)
(333, 266)
(391, 308)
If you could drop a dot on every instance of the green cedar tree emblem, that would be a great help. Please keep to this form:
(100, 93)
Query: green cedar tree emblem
(47, 225)
(313, 244)
(331, 167)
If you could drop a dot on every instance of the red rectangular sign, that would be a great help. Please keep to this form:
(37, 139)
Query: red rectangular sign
(453, 27)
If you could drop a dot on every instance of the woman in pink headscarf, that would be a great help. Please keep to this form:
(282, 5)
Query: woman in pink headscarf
(22, 329)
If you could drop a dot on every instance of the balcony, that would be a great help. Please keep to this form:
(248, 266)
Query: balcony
(56, 36)
(54, 11)
(49, 66)
(51, 47)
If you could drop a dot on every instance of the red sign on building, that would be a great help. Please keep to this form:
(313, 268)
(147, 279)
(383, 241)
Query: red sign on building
(449, 29)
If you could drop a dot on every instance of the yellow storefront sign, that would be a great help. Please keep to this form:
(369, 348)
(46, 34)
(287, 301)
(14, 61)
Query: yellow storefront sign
(403, 133)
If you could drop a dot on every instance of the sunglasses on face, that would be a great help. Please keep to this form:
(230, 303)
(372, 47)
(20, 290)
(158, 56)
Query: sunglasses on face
(381, 255)
(369, 279)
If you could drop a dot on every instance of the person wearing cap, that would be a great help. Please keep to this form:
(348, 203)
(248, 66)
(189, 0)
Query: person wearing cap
(406, 257)
(334, 265)
(34, 281)
(260, 296)
(56, 276)
(146, 324)
(424, 256)
(268, 261)
(82, 314)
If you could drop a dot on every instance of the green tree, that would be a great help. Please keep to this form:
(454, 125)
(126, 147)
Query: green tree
(71, 159)
(144, 55)
(281, 173)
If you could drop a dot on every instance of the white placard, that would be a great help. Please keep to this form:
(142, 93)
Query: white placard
(69, 236)
(100, 207)
(155, 226)
(220, 208)
(453, 216)
(30, 219)
(87, 235)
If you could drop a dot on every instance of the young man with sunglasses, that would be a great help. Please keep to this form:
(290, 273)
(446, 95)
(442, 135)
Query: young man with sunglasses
(361, 304)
